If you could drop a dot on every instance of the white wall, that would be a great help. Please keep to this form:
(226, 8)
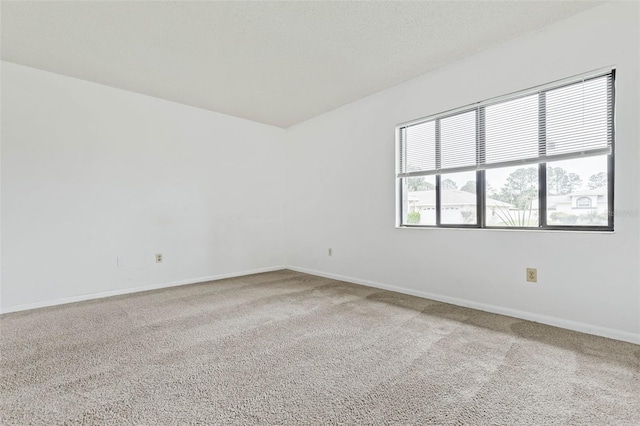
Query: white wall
(91, 173)
(340, 190)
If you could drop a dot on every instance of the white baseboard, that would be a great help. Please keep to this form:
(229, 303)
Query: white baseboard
(529, 316)
(102, 294)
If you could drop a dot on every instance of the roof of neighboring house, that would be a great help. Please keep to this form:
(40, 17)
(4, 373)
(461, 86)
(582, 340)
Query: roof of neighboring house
(451, 197)
(596, 191)
(554, 200)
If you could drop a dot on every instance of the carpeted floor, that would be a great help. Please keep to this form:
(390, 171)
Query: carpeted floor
(290, 348)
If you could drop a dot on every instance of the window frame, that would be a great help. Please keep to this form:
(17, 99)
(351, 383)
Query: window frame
(481, 213)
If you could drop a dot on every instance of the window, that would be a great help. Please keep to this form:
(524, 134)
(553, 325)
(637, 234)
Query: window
(537, 159)
(583, 203)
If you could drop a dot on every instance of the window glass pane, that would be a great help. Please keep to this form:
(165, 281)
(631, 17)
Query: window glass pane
(458, 140)
(577, 117)
(512, 196)
(419, 204)
(577, 193)
(458, 199)
(511, 130)
(420, 147)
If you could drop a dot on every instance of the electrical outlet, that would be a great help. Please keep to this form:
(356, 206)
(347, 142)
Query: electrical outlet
(158, 257)
(330, 252)
(532, 275)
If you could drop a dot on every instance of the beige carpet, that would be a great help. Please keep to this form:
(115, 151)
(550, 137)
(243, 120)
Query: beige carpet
(290, 348)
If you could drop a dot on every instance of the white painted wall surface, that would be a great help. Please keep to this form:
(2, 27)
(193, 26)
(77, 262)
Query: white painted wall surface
(91, 173)
(340, 190)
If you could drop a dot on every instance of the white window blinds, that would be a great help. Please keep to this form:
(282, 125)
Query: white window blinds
(567, 120)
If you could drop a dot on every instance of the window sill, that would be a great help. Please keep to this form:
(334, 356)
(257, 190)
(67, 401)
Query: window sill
(541, 231)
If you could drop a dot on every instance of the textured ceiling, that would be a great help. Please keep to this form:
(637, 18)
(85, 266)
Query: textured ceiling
(273, 62)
